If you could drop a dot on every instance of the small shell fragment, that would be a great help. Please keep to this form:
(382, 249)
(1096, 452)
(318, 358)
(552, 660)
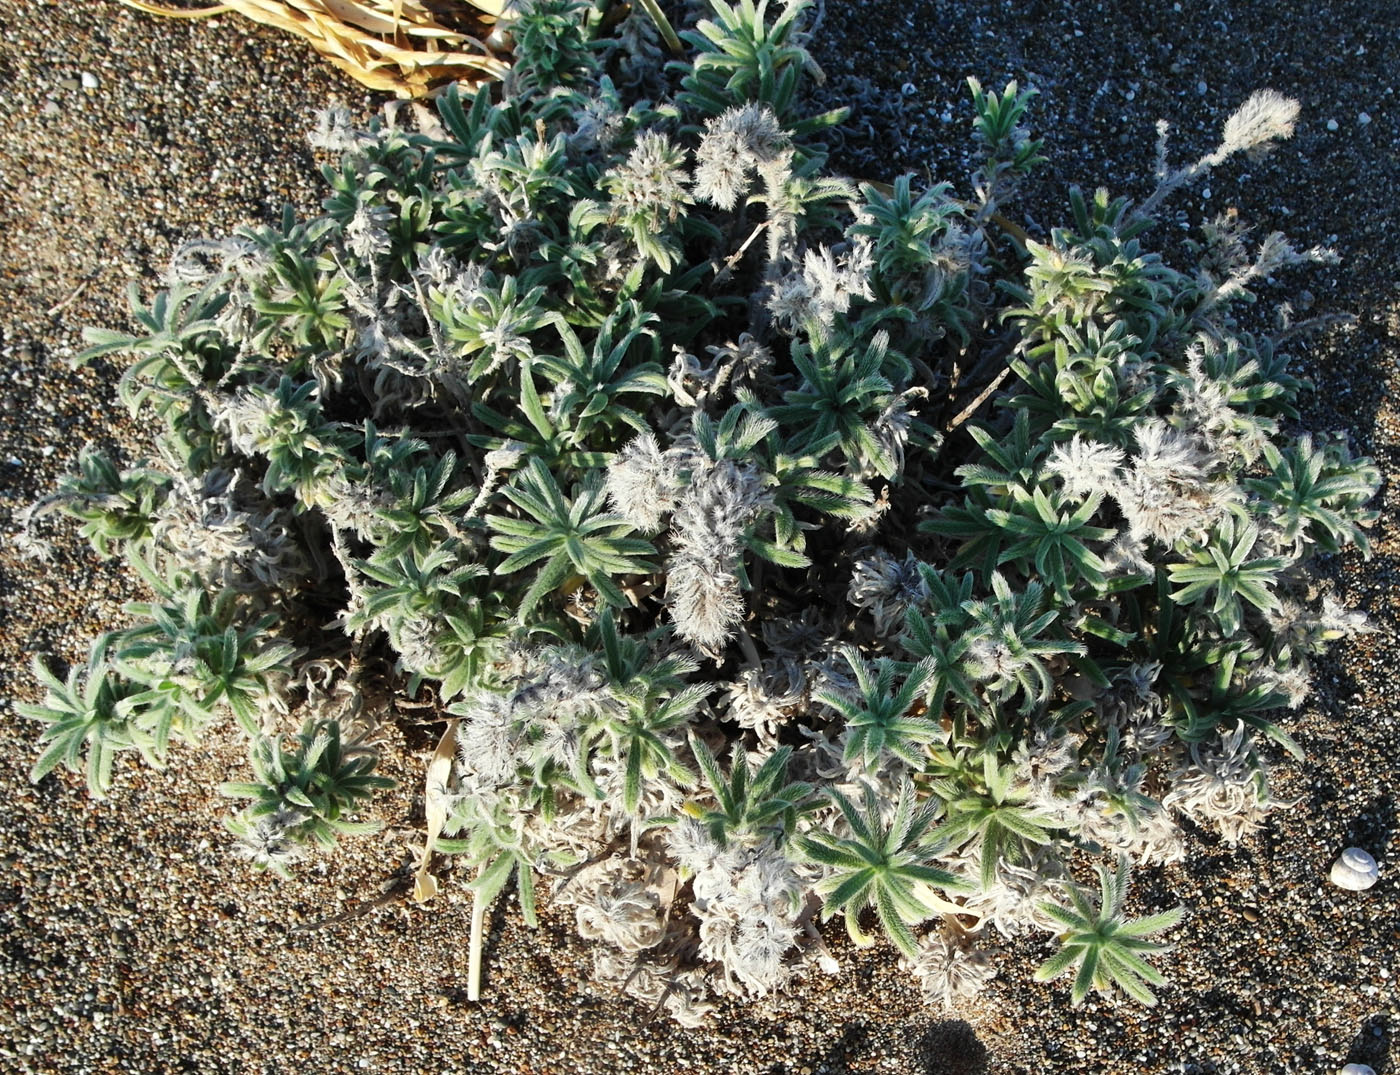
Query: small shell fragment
(1355, 870)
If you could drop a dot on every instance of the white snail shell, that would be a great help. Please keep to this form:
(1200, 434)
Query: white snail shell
(1355, 870)
(1357, 1069)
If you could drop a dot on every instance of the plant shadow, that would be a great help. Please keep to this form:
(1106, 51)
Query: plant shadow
(1371, 1046)
(950, 1047)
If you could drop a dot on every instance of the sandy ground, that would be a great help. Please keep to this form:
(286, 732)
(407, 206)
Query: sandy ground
(130, 940)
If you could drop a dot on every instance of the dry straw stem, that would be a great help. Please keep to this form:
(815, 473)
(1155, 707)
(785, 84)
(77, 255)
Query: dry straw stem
(405, 47)
(436, 800)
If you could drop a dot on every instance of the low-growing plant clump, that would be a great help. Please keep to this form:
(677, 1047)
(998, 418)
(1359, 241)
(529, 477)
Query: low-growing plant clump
(765, 546)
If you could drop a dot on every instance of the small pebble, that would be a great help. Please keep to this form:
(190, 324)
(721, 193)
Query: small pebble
(1364, 118)
(89, 80)
(1201, 87)
(1331, 124)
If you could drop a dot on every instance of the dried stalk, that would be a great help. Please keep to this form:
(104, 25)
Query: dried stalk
(401, 47)
(479, 909)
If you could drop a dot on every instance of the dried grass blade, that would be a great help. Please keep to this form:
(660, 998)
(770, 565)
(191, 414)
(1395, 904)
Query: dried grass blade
(178, 12)
(435, 800)
(347, 11)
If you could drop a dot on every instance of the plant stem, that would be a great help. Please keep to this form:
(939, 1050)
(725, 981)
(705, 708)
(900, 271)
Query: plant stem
(746, 644)
(479, 907)
(664, 25)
